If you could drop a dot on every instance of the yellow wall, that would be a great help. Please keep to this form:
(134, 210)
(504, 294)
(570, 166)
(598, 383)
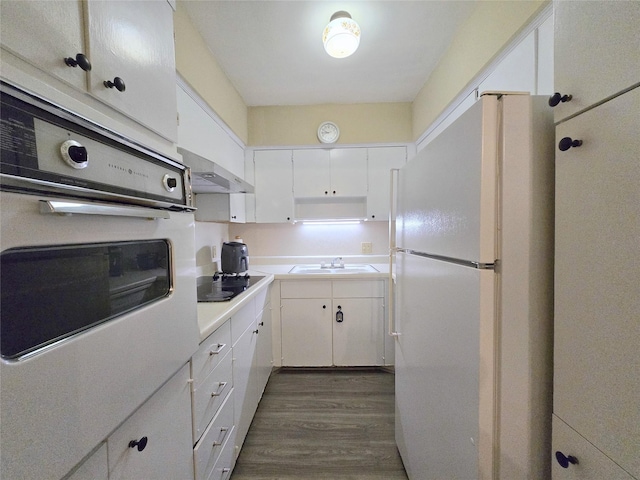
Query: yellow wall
(477, 42)
(196, 64)
(487, 31)
(358, 123)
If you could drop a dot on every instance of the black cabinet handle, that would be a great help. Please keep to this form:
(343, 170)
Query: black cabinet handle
(256, 331)
(339, 315)
(324, 306)
(117, 82)
(557, 98)
(141, 444)
(567, 142)
(80, 61)
(564, 460)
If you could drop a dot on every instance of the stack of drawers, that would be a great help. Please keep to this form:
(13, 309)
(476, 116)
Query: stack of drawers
(212, 397)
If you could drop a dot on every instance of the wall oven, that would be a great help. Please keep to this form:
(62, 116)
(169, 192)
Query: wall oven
(97, 282)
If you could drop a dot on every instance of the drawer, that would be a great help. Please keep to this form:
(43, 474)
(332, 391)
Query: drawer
(225, 463)
(210, 394)
(592, 463)
(306, 289)
(241, 321)
(219, 432)
(358, 288)
(210, 353)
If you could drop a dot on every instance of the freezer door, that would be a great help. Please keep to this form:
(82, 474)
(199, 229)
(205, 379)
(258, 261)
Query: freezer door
(447, 193)
(444, 413)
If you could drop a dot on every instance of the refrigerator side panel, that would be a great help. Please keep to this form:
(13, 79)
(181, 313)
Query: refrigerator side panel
(438, 366)
(526, 279)
(446, 194)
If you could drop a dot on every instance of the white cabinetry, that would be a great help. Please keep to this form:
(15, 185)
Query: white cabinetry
(336, 322)
(129, 40)
(337, 172)
(596, 333)
(249, 378)
(380, 161)
(155, 442)
(96, 467)
(597, 51)
(220, 207)
(273, 186)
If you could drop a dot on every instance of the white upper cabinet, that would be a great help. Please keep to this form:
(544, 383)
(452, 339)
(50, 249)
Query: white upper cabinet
(379, 164)
(273, 175)
(133, 42)
(597, 53)
(44, 33)
(130, 41)
(338, 172)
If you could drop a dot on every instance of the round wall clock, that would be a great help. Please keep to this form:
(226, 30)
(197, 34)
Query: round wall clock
(328, 132)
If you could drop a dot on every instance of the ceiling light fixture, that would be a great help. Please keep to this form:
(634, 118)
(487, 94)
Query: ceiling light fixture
(341, 36)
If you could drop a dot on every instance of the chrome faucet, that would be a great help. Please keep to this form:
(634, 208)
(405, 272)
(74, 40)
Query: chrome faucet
(340, 263)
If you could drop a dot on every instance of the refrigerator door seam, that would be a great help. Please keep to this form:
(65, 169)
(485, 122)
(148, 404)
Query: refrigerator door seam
(457, 261)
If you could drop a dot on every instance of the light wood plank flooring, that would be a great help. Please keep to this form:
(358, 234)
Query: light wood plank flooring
(323, 424)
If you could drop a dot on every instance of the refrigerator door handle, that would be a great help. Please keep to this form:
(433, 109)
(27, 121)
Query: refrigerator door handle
(392, 249)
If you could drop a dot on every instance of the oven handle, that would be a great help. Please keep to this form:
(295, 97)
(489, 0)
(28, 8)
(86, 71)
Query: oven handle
(71, 208)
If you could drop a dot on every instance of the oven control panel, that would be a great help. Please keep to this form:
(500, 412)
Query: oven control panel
(46, 149)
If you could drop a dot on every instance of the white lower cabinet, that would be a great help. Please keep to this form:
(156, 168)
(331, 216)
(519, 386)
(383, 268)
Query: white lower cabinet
(220, 432)
(156, 442)
(96, 467)
(583, 460)
(339, 322)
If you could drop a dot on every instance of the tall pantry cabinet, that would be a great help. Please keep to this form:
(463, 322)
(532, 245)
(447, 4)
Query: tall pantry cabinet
(596, 405)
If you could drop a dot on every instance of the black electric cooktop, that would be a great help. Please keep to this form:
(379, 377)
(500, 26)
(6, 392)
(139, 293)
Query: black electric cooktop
(222, 287)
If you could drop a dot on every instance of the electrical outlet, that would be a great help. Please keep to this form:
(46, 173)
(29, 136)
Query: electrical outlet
(367, 247)
(214, 251)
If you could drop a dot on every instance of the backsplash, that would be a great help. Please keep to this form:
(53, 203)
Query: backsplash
(312, 240)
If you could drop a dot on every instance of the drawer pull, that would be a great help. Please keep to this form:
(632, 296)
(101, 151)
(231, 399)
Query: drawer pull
(217, 443)
(220, 347)
(225, 470)
(218, 392)
(567, 142)
(558, 98)
(141, 444)
(564, 460)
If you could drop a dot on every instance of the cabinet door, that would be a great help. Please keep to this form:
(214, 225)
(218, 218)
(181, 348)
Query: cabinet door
(134, 41)
(306, 332)
(311, 173)
(44, 33)
(359, 338)
(165, 421)
(591, 464)
(264, 358)
(245, 401)
(597, 51)
(348, 172)
(93, 468)
(597, 306)
(273, 186)
(379, 164)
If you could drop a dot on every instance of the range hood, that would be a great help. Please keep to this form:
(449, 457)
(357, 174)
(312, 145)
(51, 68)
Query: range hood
(209, 177)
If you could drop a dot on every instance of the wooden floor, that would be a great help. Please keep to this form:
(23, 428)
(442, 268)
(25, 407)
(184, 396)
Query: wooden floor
(323, 424)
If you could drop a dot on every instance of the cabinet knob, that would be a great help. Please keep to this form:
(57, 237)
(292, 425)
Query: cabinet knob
(324, 306)
(326, 192)
(117, 82)
(233, 216)
(567, 142)
(141, 444)
(334, 192)
(557, 98)
(80, 61)
(256, 331)
(564, 460)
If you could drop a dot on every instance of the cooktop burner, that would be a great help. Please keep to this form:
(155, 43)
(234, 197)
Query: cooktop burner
(222, 287)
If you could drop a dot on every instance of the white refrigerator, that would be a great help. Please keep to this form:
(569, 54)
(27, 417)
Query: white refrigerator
(473, 248)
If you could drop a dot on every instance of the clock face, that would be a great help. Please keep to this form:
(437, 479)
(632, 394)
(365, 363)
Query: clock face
(328, 132)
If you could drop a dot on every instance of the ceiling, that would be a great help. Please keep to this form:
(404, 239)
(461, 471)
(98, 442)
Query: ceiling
(273, 54)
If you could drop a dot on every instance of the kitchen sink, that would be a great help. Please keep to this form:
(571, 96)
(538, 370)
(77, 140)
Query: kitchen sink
(314, 269)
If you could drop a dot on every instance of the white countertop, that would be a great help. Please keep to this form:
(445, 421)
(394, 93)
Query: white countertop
(212, 315)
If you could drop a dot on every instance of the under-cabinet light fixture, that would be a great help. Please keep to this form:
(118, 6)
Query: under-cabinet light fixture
(331, 222)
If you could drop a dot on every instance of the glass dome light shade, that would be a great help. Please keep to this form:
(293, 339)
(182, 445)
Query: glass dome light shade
(341, 36)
